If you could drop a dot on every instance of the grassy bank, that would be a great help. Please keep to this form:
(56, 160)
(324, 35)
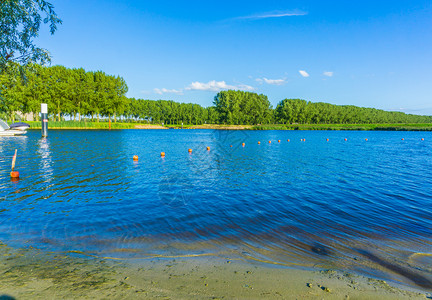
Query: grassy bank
(81, 125)
(119, 125)
(391, 127)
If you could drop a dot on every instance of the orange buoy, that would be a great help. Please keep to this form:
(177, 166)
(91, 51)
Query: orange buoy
(259, 143)
(366, 139)
(346, 139)
(327, 140)
(208, 148)
(402, 139)
(243, 144)
(288, 140)
(14, 174)
(190, 150)
(269, 142)
(422, 139)
(163, 154)
(135, 157)
(231, 146)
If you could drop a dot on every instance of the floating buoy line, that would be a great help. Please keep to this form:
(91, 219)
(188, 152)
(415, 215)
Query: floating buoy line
(162, 154)
(15, 174)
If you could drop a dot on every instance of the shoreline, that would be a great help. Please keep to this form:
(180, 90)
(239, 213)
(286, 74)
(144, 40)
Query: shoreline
(314, 127)
(31, 273)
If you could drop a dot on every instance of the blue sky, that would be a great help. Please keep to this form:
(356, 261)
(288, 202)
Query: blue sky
(365, 53)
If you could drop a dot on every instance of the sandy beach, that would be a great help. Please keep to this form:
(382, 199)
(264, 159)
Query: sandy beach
(33, 274)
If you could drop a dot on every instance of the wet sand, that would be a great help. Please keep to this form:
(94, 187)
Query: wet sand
(34, 274)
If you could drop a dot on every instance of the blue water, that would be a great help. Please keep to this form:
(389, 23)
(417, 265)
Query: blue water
(362, 205)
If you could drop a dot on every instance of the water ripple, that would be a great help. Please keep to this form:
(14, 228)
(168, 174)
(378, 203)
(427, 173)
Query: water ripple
(356, 204)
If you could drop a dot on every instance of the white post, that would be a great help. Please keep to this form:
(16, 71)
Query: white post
(44, 119)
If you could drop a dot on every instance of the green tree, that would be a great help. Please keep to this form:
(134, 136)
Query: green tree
(239, 107)
(12, 97)
(20, 21)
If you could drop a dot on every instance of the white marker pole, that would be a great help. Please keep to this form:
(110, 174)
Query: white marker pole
(44, 117)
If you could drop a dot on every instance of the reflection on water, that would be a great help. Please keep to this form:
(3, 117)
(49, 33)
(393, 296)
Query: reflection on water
(353, 205)
(45, 164)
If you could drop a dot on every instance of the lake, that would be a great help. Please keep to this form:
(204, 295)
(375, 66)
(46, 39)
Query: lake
(363, 204)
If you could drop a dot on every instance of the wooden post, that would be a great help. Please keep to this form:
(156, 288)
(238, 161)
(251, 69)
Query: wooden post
(14, 160)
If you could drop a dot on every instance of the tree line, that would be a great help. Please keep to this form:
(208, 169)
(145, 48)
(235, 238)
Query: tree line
(290, 111)
(78, 94)
(68, 92)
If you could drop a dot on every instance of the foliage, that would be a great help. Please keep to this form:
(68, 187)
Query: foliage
(12, 87)
(68, 92)
(76, 94)
(20, 22)
(238, 107)
(393, 127)
(296, 111)
(169, 112)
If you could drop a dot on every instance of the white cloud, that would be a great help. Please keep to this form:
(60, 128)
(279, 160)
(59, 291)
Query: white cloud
(304, 73)
(216, 86)
(274, 81)
(272, 15)
(328, 74)
(164, 90)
